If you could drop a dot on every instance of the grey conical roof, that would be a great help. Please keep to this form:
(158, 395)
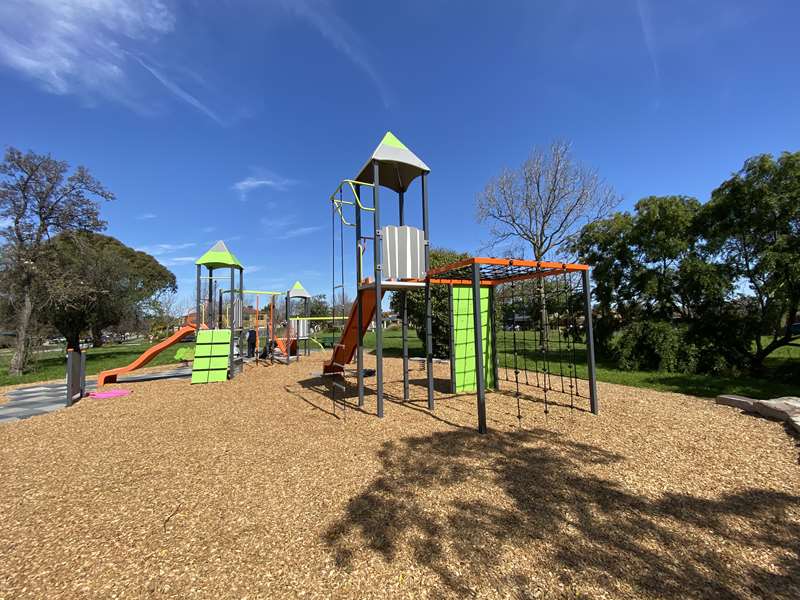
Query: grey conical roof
(398, 166)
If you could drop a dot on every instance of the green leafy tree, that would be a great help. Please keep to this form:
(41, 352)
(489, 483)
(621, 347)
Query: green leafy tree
(752, 225)
(318, 306)
(39, 199)
(439, 257)
(662, 234)
(90, 282)
(608, 246)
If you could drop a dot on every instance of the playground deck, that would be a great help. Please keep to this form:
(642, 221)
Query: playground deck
(256, 488)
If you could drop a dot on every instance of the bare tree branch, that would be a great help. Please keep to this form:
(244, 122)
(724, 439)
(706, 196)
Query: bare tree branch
(545, 201)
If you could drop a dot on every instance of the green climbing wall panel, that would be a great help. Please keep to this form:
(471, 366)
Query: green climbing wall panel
(464, 339)
(211, 353)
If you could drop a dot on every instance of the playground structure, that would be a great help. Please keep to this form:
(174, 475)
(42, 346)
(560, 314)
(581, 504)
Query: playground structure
(401, 264)
(522, 311)
(222, 322)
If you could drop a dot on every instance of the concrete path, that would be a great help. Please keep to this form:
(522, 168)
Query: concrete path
(47, 397)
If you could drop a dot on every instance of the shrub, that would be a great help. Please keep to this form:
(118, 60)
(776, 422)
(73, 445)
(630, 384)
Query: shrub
(654, 346)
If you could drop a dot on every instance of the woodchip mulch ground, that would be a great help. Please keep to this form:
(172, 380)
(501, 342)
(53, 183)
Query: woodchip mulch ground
(258, 488)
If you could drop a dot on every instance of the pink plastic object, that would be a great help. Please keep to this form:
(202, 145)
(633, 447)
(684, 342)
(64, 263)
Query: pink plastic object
(110, 394)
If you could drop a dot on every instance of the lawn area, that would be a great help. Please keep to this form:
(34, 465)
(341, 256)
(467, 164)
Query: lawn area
(782, 368)
(52, 365)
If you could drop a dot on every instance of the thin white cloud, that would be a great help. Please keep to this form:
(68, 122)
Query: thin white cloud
(178, 260)
(78, 46)
(89, 48)
(146, 216)
(267, 180)
(298, 232)
(179, 92)
(645, 21)
(162, 249)
(322, 16)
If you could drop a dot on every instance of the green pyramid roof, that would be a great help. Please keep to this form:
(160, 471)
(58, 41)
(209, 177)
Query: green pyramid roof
(219, 256)
(298, 291)
(398, 166)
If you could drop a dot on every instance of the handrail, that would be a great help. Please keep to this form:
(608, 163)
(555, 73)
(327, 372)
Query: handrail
(338, 202)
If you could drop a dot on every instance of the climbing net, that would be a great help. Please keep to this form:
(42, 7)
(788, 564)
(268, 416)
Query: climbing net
(539, 326)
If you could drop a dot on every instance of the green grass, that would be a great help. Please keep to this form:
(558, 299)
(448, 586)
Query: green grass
(782, 368)
(52, 365)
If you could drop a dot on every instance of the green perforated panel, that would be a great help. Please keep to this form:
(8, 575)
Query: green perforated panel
(464, 339)
(211, 352)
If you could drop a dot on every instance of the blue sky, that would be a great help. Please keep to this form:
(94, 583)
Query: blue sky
(235, 120)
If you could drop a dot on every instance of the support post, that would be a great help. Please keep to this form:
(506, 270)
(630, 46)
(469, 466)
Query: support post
(376, 251)
(404, 330)
(594, 403)
(210, 318)
(232, 323)
(198, 299)
(428, 311)
(288, 332)
(307, 325)
(242, 337)
(493, 338)
(271, 340)
(359, 308)
(450, 306)
(476, 320)
(404, 308)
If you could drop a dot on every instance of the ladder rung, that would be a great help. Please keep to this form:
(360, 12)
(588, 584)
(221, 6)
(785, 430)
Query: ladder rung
(338, 385)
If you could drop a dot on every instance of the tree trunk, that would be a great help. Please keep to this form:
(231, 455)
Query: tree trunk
(22, 350)
(97, 337)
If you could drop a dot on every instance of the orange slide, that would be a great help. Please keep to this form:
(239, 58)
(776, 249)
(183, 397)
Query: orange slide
(110, 376)
(343, 352)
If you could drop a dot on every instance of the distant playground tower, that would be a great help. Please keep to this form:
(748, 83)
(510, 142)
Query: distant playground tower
(219, 324)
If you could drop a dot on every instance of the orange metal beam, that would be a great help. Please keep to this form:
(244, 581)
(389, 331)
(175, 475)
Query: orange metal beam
(511, 262)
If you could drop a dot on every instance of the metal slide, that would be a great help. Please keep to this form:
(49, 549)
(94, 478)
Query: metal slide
(344, 351)
(110, 376)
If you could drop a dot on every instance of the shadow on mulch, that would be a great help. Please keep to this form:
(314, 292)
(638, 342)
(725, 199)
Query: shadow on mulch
(593, 531)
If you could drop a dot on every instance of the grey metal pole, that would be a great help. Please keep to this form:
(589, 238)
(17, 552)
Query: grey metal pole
(493, 338)
(271, 340)
(242, 339)
(70, 375)
(428, 311)
(404, 334)
(476, 320)
(359, 308)
(288, 339)
(83, 375)
(404, 308)
(198, 298)
(210, 318)
(232, 323)
(376, 251)
(594, 402)
(452, 339)
(307, 325)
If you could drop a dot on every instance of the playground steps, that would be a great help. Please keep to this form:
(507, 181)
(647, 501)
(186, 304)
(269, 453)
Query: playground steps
(344, 351)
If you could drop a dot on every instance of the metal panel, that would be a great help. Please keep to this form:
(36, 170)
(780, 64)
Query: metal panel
(403, 252)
